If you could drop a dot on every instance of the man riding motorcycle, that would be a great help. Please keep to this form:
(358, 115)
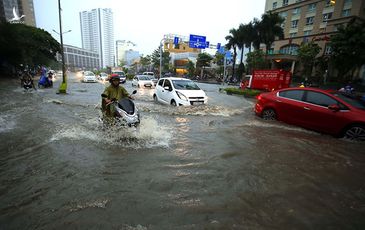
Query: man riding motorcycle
(112, 92)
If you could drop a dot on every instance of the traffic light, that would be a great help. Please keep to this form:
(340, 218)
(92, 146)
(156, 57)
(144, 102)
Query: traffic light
(333, 2)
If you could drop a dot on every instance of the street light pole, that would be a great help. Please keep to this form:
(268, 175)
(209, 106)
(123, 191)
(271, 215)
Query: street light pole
(161, 57)
(63, 86)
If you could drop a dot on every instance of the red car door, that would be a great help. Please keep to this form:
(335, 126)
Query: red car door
(289, 106)
(318, 116)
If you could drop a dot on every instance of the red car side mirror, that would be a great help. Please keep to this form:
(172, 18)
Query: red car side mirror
(334, 108)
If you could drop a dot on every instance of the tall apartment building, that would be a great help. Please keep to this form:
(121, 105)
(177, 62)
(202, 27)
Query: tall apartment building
(311, 20)
(97, 34)
(21, 7)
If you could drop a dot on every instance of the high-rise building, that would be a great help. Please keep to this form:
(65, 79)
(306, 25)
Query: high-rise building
(97, 34)
(21, 8)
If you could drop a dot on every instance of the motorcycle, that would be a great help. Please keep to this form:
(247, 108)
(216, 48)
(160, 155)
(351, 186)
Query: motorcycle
(126, 112)
(45, 81)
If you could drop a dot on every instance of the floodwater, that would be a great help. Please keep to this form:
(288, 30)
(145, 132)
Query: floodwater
(215, 166)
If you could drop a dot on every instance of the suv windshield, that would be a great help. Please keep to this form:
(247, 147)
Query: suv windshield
(351, 100)
(185, 85)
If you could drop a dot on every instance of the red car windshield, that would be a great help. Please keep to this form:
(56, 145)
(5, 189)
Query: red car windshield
(352, 100)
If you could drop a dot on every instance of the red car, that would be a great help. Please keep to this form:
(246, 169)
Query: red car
(324, 111)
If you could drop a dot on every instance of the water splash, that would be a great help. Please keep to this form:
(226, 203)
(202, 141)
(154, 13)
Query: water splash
(148, 135)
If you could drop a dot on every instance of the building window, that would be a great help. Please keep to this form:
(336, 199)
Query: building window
(285, 2)
(348, 2)
(328, 50)
(274, 5)
(296, 11)
(309, 21)
(328, 3)
(291, 35)
(307, 32)
(289, 49)
(312, 7)
(294, 24)
(346, 13)
(327, 17)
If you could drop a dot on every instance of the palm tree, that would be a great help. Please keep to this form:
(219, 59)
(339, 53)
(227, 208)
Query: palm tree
(269, 28)
(233, 40)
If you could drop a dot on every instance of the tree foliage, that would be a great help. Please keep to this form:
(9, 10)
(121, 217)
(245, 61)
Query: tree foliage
(27, 45)
(256, 60)
(203, 60)
(347, 45)
(233, 41)
(307, 53)
(269, 28)
(191, 68)
(155, 59)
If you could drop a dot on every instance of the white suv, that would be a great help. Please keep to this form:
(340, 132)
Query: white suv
(179, 91)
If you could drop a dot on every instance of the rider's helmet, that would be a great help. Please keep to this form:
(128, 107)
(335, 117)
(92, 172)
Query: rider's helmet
(113, 76)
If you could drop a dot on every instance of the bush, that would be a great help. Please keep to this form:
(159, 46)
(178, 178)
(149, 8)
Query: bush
(245, 92)
(130, 76)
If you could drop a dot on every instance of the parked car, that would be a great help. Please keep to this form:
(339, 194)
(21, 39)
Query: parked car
(325, 111)
(148, 73)
(179, 91)
(154, 80)
(142, 81)
(103, 76)
(121, 75)
(89, 77)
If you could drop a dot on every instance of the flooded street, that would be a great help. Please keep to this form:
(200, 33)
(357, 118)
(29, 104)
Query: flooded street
(216, 166)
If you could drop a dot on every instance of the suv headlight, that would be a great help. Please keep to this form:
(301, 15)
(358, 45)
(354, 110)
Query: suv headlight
(181, 96)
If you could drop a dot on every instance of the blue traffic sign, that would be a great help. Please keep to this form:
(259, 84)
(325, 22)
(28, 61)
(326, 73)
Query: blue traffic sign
(206, 44)
(197, 41)
(218, 46)
(176, 40)
(228, 55)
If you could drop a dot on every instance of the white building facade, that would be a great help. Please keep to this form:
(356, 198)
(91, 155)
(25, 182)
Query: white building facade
(97, 34)
(125, 52)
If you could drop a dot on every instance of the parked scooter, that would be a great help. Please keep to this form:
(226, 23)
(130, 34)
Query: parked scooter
(126, 112)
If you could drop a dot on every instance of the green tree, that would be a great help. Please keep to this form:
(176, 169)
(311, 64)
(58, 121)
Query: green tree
(145, 62)
(203, 61)
(233, 40)
(307, 53)
(191, 68)
(269, 28)
(219, 60)
(27, 45)
(348, 51)
(155, 59)
(256, 60)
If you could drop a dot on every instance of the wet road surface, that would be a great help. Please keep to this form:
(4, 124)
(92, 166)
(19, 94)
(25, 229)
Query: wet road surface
(216, 166)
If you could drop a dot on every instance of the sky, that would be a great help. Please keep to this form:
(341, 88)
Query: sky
(145, 22)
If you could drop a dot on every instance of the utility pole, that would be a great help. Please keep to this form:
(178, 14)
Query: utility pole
(63, 86)
(161, 56)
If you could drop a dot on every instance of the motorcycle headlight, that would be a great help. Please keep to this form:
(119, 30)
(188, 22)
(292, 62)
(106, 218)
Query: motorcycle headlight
(181, 96)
